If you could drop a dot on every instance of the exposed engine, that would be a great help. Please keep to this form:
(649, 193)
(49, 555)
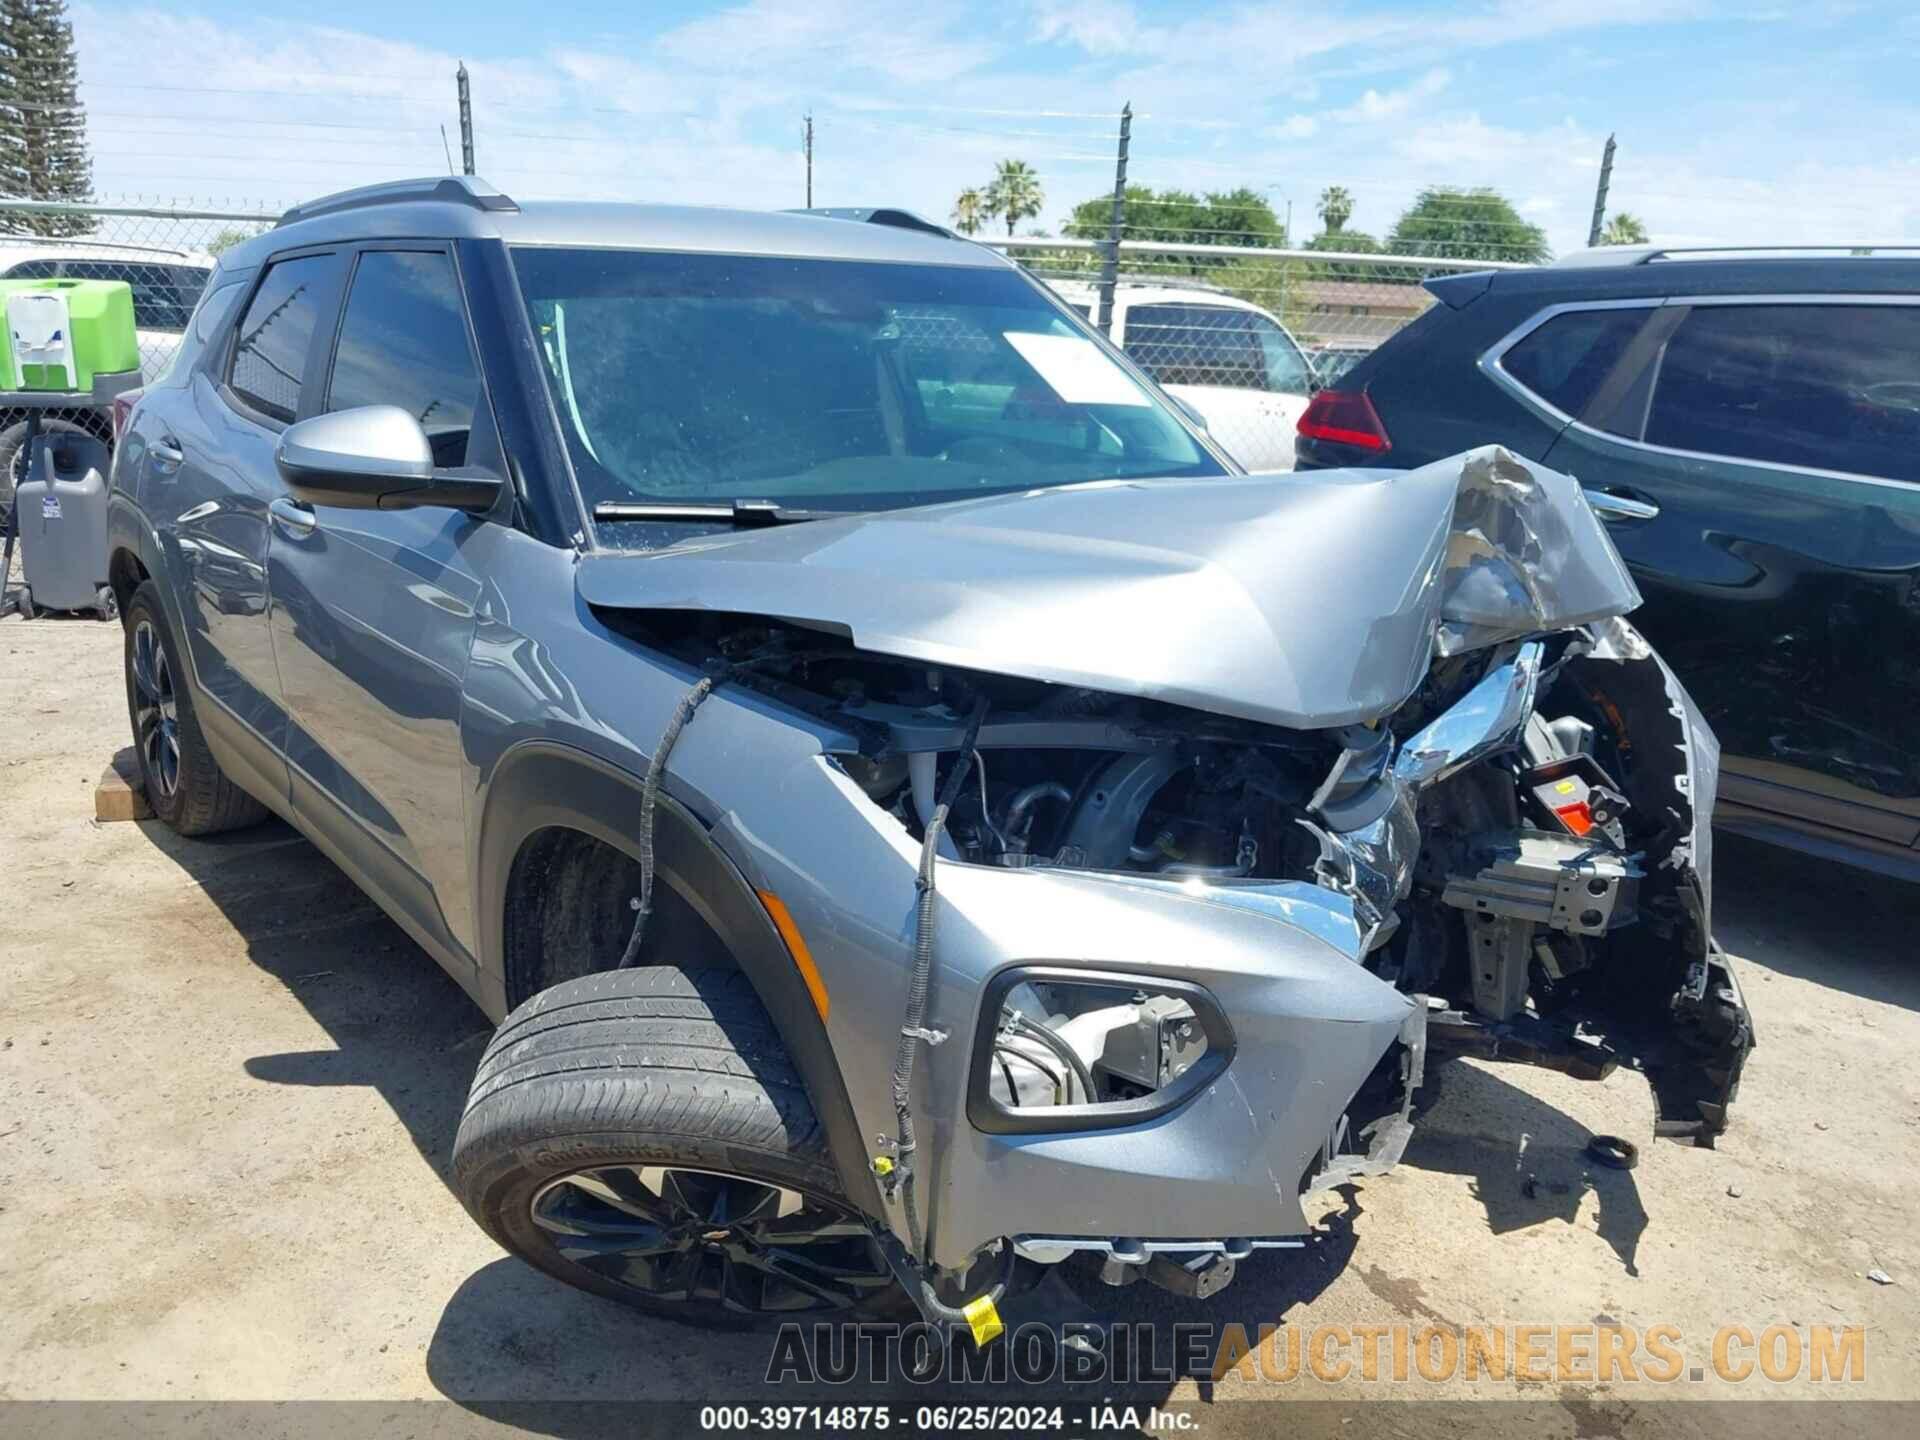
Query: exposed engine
(1513, 842)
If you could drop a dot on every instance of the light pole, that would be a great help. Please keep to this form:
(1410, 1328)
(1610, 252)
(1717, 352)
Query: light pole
(1281, 192)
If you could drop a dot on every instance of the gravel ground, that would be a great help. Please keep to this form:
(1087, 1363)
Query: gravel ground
(229, 1085)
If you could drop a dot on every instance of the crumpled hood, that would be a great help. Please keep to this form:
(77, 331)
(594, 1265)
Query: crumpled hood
(1304, 600)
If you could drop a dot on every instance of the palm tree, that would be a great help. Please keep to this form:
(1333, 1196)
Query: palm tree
(1015, 194)
(1624, 229)
(970, 210)
(1336, 207)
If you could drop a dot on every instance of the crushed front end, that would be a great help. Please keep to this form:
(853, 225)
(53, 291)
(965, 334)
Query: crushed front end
(1190, 961)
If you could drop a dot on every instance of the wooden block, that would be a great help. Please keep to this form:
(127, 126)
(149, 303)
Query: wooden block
(119, 795)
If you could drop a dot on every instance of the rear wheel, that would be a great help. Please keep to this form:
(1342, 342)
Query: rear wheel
(642, 1134)
(184, 783)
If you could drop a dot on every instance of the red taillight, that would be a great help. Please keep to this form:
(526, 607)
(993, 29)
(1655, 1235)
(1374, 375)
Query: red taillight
(1345, 417)
(123, 404)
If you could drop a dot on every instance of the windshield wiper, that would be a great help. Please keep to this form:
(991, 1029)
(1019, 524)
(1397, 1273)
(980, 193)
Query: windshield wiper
(724, 512)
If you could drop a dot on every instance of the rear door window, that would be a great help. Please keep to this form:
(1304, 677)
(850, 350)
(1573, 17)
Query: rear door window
(1564, 360)
(403, 341)
(1825, 387)
(275, 336)
(1196, 345)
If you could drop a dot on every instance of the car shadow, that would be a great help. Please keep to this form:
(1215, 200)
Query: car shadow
(1847, 929)
(1527, 1162)
(396, 1022)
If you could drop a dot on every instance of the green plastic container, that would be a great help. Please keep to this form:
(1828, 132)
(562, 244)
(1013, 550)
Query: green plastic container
(103, 341)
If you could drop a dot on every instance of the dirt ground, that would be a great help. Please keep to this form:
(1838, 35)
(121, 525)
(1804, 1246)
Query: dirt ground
(229, 1086)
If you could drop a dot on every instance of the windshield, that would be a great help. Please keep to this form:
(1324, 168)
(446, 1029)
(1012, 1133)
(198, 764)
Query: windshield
(829, 384)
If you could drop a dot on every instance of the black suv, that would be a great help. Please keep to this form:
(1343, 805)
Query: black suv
(1749, 427)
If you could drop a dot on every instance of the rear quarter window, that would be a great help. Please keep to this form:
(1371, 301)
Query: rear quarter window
(1565, 359)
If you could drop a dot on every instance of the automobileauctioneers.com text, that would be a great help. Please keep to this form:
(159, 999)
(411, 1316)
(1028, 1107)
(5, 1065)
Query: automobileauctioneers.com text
(1391, 1353)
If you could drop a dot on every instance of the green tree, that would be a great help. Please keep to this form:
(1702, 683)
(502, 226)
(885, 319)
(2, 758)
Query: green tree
(970, 210)
(1351, 242)
(229, 236)
(1336, 207)
(43, 127)
(1179, 217)
(1476, 224)
(1624, 229)
(1015, 193)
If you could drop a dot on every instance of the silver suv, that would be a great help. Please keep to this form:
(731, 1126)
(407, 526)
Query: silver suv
(916, 811)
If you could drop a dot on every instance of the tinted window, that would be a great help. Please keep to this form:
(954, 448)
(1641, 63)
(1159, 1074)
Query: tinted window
(1564, 360)
(1828, 387)
(831, 384)
(403, 341)
(270, 348)
(163, 295)
(1196, 345)
(214, 309)
(34, 270)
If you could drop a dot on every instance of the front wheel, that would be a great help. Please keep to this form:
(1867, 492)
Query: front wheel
(643, 1134)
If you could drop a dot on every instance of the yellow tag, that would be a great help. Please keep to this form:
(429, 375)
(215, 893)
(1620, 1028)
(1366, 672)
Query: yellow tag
(983, 1319)
(1565, 787)
(882, 1166)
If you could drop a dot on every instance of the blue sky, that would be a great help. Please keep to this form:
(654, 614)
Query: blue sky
(1737, 122)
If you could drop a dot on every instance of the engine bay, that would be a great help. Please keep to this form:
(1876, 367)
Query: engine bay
(1514, 839)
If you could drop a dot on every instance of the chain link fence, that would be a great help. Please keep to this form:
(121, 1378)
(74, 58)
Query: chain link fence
(163, 253)
(1243, 335)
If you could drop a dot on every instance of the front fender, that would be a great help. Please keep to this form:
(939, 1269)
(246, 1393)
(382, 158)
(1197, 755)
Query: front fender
(538, 785)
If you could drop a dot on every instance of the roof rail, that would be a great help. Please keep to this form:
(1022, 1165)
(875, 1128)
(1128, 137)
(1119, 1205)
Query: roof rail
(885, 215)
(468, 190)
(1646, 254)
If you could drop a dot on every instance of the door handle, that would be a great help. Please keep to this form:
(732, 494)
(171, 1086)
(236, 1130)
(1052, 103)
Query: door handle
(167, 453)
(1620, 507)
(293, 518)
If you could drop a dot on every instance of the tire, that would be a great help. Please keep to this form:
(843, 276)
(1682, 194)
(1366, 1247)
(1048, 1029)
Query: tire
(619, 1104)
(184, 783)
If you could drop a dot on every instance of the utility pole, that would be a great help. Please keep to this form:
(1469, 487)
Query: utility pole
(1110, 260)
(806, 144)
(466, 121)
(1600, 195)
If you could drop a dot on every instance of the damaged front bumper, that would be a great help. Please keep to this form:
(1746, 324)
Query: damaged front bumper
(1222, 1169)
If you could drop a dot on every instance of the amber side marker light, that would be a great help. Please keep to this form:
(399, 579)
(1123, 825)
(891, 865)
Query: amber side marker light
(796, 947)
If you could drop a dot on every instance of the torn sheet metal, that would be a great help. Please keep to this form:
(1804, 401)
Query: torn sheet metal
(1487, 717)
(1522, 557)
(1307, 601)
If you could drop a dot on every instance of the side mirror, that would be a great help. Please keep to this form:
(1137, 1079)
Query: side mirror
(373, 457)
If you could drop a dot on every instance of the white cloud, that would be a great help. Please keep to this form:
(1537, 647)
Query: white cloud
(1374, 106)
(273, 110)
(1099, 27)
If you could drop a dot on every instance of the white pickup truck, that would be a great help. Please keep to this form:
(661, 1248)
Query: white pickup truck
(1225, 358)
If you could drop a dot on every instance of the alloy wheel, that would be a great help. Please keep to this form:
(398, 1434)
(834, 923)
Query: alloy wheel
(156, 711)
(748, 1246)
